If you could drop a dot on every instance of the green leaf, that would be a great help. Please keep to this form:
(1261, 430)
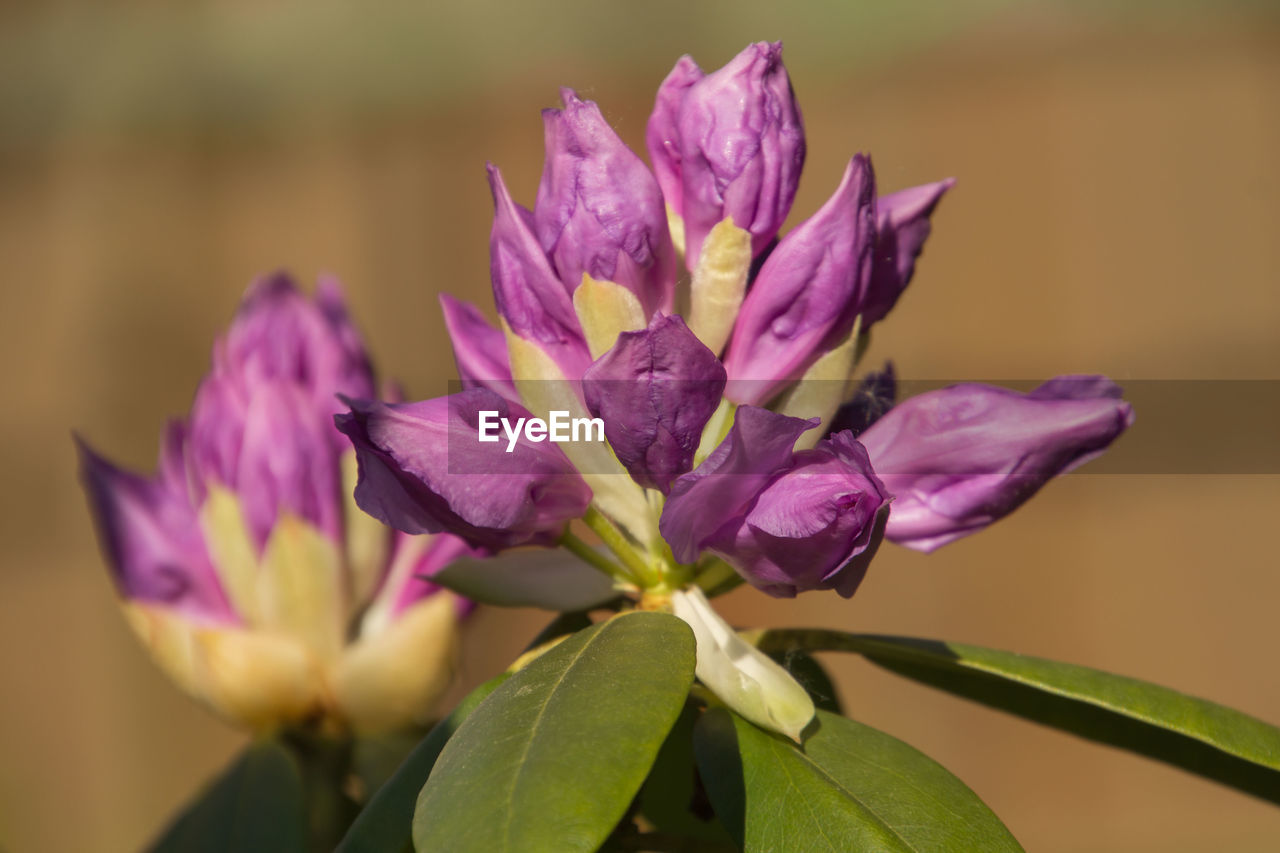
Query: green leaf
(256, 805)
(850, 787)
(552, 760)
(384, 825)
(550, 579)
(1196, 735)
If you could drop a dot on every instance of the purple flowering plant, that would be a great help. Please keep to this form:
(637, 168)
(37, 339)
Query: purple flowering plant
(728, 435)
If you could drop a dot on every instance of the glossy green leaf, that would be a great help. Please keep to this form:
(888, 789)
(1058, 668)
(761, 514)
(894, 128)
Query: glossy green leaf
(384, 825)
(1196, 735)
(256, 806)
(553, 758)
(849, 787)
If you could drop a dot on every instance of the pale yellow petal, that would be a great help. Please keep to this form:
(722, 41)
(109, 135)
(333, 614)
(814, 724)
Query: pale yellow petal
(259, 679)
(231, 547)
(300, 587)
(719, 284)
(170, 639)
(247, 677)
(393, 679)
(675, 224)
(605, 311)
(823, 388)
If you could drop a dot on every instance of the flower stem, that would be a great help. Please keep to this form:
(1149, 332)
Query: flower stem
(594, 558)
(618, 544)
(717, 577)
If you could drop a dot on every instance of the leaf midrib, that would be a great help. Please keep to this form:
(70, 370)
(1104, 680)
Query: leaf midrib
(533, 732)
(840, 788)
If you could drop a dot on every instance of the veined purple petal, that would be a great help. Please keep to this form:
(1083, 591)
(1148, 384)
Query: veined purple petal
(662, 134)
(741, 148)
(808, 293)
(655, 391)
(424, 470)
(720, 490)
(527, 293)
(599, 210)
(959, 458)
(479, 349)
(902, 226)
(814, 526)
(151, 537)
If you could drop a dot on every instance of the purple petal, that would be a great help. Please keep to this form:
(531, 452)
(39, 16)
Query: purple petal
(808, 292)
(479, 349)
(423, 470)
(902, 225)
(759, 445)
(662, 134)
(655, 391)
(599, 210)
(286, 464)
(525, 289)
(150, 535)
(278, 334)
(741, 148)
(815, 526)
(959, 458)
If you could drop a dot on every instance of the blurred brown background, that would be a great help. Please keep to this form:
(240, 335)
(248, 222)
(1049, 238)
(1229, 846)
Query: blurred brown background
(1117, 211)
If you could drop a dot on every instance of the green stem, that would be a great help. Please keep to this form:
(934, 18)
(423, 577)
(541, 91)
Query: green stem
(324, 763)
(613, 539)
(717, 578)
(594, 558)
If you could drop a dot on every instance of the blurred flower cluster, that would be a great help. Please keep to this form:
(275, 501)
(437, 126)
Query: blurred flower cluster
(243, 565)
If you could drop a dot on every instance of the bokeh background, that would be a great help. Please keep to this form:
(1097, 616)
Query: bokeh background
(1117, 211)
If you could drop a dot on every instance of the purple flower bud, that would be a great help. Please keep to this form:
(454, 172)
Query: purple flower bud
(902, 225)
(720, 490)
(535, 305)
(741, 148)
(278, 334)
(245, 553)
(599, 210)
(816, 525)
(808, 293)
(959, 458)
(423, 469)
(662, 135)
(655, 391)
(150, 534)
(261, 423)
(479, 349)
